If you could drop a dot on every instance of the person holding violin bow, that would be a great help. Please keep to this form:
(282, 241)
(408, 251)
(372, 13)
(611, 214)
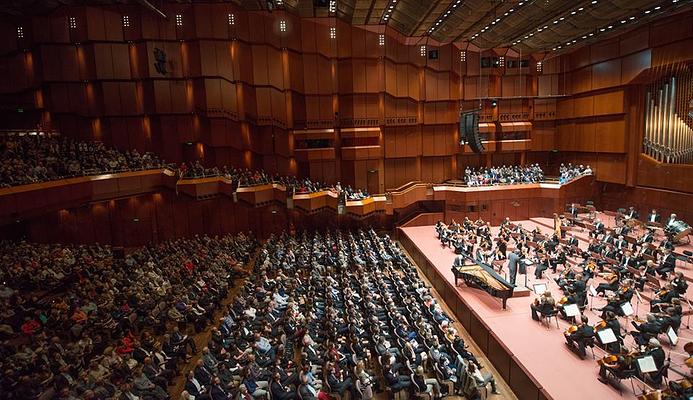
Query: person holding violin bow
(664, 298)
(580, 336)
(679, 284)
(610, 322)
(621, 364)
(623, 295)
(543, 306)
(646, 330)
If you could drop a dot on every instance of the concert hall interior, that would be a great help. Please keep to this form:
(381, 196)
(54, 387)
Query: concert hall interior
(346, 199)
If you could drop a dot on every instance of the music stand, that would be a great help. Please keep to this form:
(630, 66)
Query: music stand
(672, 336)
(646, 365)
(539, 288)
(593, 294)
(627, 309)
(606, 336)
(637, 305)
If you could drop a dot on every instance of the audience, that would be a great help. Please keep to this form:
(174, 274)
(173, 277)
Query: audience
(503, 175)
(243, 177)
(570, 172)
(342, 300)
(39, 158)
(78, 322)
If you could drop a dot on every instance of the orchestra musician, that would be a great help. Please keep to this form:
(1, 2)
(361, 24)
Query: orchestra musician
(667, 264)
(623, 295)
(573, 210)
(632, 213)
(646, 330)
(543, 305)
(611, 284)
(621, 364)
(610, 322)
(670, 221)
(598, 228)
(581, 335)
(654, 217)
(679, 284)
(654, 349)
(620, 243)
(664, 298)
(647, 237)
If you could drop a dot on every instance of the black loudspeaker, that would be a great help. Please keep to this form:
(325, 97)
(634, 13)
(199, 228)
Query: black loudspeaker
(433, 54)
(469, 131)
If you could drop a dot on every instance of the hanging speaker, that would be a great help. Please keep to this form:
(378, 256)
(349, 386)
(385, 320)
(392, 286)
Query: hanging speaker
(469, 131)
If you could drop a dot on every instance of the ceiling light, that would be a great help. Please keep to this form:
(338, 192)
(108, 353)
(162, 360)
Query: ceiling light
(554, 49)
(561, 19)
(591, 34)
(581, 8)
(594, 1)
(631, 18)
(623, 21)
(555, 22)
(520, 3)
(647, 11)
(602, 30)
(584, 37)
(610, 26)
(658, 7)
(573, 13)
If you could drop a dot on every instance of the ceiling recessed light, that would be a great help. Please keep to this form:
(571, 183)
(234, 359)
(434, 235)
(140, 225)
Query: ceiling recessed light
(631, 18)
(594, 1)
(581, 8)
(602, 30)
(658, 7)
(573, 13)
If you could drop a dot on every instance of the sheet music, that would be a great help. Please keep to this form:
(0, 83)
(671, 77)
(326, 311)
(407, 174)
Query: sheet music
(627, 309)
(539, 288)
(673, 337)
(646, 364)
(606, 336)
(593, 291)
(571, 310)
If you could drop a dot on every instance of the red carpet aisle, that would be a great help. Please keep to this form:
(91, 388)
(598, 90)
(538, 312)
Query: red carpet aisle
(541, 351)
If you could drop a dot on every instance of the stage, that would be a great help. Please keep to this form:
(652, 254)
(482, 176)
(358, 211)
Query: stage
(532, 358)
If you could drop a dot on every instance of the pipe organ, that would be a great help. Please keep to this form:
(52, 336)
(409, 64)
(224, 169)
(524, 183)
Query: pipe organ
(668, 133)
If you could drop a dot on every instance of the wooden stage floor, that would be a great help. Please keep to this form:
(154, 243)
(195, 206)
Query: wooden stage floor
(531, 357)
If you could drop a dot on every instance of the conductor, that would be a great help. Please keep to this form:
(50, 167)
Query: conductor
(515, 261)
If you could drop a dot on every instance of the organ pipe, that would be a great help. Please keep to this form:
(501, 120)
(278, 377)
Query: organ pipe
(668, 136)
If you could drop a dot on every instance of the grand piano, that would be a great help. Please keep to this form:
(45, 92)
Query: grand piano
(482, 276)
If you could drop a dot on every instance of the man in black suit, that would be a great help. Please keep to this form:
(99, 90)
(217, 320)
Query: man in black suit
(279, 391)
(654, 217)
(573, 210)
(514, 262)
(572, 240)
(632, 213)
(598, 228)
(620, 243)
(581, 336)
(395, 381)
(647, 330)
(654, 349)
(667, 264)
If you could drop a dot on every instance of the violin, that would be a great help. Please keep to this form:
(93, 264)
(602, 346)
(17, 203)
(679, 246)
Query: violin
(571, 329)
(600, 325)
(688, 348)
(608, 359)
